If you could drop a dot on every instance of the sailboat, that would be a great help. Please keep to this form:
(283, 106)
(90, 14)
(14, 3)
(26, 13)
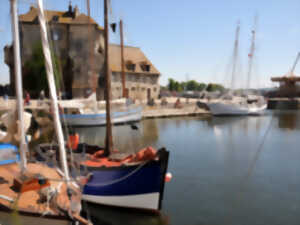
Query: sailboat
(231, 105)
(85, 116)
(33, 193)
(120, 179)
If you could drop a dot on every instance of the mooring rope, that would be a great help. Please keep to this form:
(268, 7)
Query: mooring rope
(251, 168)
(120, 179)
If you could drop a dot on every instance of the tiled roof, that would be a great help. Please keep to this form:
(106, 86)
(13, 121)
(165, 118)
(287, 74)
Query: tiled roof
(133, 55)
(58, 17)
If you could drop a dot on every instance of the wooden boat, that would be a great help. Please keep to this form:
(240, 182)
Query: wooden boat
(122, 180)
(131, 181)
(25, 204)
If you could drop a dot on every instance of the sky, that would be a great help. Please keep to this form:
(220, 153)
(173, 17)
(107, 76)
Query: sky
(193, 39)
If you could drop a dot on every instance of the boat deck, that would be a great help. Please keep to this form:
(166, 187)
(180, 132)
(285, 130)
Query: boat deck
(29, 202)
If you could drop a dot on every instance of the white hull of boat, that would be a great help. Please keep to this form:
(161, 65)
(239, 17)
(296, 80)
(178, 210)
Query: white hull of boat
(141, 201)
(99, 119)
(219, 109)
(9, 218)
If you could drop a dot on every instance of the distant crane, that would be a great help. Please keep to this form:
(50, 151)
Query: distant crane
(294, 66)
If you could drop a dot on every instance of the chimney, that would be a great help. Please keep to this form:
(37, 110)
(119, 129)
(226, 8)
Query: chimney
(76, 12)
(70, 8)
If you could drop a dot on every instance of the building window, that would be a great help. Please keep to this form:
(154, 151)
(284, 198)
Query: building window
(153, 80)
(115, 77)
(154, 89)
(130, 65)
(55, 18)
(143, 89)
(133, 89)
(145, 66)
(57, 34)
(137, 78)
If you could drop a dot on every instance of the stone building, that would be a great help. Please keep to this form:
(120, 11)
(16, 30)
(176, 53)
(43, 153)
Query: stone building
(75, 39)
(78, 42)
(141, 75)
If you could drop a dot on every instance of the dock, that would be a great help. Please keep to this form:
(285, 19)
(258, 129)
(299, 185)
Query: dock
(284, 103)
(188, 107)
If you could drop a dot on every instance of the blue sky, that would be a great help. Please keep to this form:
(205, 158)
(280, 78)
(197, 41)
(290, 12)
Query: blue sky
(194, 38)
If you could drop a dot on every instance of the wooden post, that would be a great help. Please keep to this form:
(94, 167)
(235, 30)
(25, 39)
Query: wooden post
(122, 60)
(108, 139)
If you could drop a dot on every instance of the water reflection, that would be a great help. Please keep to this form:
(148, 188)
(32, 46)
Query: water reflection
(210, 159)
(124, 137)
(288, 119)
(105, 215)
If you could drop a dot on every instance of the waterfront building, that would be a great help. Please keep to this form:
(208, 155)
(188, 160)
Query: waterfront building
(78, 46)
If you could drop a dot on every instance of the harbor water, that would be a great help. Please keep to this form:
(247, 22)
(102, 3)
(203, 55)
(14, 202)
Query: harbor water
(226, 170)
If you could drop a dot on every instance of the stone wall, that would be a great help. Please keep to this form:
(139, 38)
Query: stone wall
(140, 86)
(79, 49)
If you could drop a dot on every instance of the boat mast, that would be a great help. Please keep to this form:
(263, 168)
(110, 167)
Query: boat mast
(122, 60)
(108, 138)
(235, 54)
(251, 54)
(52, 89)
(18, 78)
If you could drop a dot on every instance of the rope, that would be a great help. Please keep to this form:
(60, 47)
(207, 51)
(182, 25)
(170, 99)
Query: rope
(107, 183)
(122, 178)
(251, 168)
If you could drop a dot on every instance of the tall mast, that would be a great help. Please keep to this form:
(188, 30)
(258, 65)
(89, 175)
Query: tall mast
(18, 78)
(122, 60)
(235, 54)
(108, 138)
(251, 54)
(52, 89)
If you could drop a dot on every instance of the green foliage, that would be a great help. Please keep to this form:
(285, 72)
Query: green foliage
(171, 84)
(192, 85)
(35, 77)
(214, 87)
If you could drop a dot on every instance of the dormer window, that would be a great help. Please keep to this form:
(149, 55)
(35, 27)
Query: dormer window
(130, 65)
(55, 18)
(145, 66)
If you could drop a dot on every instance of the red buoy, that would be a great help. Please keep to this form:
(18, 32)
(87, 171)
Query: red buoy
(168, 177)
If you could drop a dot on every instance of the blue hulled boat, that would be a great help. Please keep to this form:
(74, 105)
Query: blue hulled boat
(138, 184)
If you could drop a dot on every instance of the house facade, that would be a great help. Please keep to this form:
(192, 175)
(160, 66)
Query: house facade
(142, 78)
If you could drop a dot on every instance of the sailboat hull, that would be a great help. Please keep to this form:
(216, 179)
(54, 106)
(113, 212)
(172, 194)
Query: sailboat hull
(138, 186)
(227, 109)
(99, 119)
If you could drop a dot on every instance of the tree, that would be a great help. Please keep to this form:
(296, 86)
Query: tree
(201, 87)
(191, 85)
(171, 84)
(214, 87)
(35, 77)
